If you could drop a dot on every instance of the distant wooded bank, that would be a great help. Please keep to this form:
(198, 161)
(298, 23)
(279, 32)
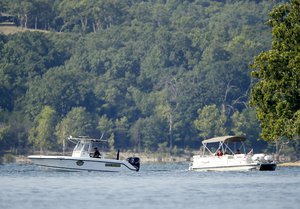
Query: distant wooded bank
(148, 76)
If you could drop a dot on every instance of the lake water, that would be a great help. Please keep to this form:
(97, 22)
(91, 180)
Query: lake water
(155, 186)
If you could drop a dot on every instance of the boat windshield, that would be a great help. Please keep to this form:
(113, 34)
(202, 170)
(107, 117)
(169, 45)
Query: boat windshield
(86, 147)
(77, 147)
(81, 145)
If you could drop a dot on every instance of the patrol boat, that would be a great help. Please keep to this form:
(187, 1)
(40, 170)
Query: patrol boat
(82, 159)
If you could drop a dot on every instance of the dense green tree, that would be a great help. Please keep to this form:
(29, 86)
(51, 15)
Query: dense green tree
(62, 89)
(106, 127)
(13, 132)
(87, 16)
(42, 15)
(276, 95)
(22, 9)
(246, 124)
(121, 133)
(4, 6)
(41, 134)
(211, 122)
(136, 135)
(78, 122)
(37, 14)
(25, 56)
(111, 142)
(143, 67)
(153, 132)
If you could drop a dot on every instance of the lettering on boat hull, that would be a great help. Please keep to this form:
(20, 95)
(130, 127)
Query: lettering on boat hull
(112, 165)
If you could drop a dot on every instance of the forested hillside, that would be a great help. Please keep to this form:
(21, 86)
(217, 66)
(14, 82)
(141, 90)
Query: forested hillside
(144, 74)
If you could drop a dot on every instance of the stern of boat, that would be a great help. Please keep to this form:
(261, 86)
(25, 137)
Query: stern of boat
(135, 162)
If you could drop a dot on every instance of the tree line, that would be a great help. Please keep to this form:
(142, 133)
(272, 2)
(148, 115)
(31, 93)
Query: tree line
(146, 75)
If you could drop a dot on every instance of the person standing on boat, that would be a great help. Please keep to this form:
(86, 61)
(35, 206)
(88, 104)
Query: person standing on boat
(96, 153)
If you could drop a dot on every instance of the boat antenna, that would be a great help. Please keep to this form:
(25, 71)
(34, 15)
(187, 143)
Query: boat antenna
(71, 139)
(102, 134)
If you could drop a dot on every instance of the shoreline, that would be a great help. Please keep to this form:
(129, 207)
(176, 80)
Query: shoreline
(144, 157)
(288, 164)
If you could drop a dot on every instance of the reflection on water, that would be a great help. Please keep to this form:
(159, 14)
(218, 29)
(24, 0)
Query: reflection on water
(155, 186)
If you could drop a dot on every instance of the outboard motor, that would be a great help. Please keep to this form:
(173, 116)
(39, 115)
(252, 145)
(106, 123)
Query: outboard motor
(135, 161)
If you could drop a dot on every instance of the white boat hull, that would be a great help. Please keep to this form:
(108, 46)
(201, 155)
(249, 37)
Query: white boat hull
(224, 163)
(226, 168)
(82, 163)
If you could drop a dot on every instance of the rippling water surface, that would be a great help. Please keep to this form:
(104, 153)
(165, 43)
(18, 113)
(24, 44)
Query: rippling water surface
(155, 186)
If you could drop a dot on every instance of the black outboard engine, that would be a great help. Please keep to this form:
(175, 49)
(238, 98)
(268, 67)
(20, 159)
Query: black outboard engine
(135, 161)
